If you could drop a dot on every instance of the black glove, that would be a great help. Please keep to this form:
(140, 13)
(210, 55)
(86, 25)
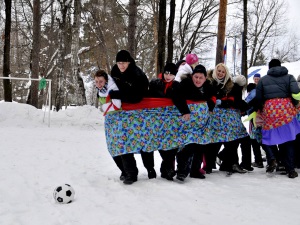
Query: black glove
(115, 94)
(210, 104)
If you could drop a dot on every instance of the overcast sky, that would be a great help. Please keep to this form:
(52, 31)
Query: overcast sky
(294, 13)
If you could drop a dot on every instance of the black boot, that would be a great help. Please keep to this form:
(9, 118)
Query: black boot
(119, 163)
(180, 176)
(248, 168)
(129, 180)
(293, 174)
(271, 166)
(130, 168)
(151, 173)
(168, 174)
(197, 175)
(258, 164)
(238, 169)
(123, 175)
(167, 165)
(196, 163)
(184, 160)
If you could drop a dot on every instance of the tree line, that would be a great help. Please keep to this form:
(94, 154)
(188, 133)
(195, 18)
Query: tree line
(66, 40)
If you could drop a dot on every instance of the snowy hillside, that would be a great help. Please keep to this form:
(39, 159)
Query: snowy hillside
(293, 68)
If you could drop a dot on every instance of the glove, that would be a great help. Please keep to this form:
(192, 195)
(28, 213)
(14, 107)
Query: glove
(296, 96)
(211, 105)
(218, 102)
(115, 94)
(240, 80)
(250, 117)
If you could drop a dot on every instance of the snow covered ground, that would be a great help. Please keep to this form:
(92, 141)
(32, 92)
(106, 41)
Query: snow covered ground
(36, 158)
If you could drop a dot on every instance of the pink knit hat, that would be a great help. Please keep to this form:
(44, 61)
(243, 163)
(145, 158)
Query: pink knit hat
(191, 59)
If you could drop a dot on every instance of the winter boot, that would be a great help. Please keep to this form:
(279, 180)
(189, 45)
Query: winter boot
(168, 174)
(151, 173)
(293, 174)
(271, 166)
(238, 169)
(130, 180)
(130, 168)
(197, 175)
(123, 175)
(248, 168)
(258, 164)
(180, 176)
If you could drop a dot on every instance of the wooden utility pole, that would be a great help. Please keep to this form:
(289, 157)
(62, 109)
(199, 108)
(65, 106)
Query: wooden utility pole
(221, 32)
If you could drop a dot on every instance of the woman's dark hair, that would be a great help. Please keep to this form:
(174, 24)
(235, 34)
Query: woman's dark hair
(101, 73)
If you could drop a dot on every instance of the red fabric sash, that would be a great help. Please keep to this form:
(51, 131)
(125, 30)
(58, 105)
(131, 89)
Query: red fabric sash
(148, 103)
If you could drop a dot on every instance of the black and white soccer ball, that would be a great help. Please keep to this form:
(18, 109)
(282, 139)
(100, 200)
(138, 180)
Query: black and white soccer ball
(64, 194)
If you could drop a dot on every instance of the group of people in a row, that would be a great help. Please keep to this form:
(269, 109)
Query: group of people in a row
(189, 80)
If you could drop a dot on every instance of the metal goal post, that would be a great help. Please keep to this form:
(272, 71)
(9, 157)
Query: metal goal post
(48, 92)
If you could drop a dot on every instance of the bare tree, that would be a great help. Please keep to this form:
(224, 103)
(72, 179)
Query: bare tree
(61, 91)
(287, 49)
(79, 87)
(133, 4)
(161, 36)
(265, 22)
(244, 69)
(35, 69)
(170, 31)
(154, 8)
(6, 57)
(196, 26)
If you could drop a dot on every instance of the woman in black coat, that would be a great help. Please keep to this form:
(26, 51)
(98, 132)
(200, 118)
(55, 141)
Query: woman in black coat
(280, 127)
(164, 88)
(229, 96)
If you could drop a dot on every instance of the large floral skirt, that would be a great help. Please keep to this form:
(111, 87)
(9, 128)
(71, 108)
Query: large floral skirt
(281, 121)
(162, 128)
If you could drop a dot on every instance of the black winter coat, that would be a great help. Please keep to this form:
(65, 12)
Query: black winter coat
(133, 84)
(276, 84)
(157, 89)
(186, 90)
(231, 98)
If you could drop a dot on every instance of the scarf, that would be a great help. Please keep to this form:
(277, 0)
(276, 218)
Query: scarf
(167, 85)
(221, 81)
(104, 88)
